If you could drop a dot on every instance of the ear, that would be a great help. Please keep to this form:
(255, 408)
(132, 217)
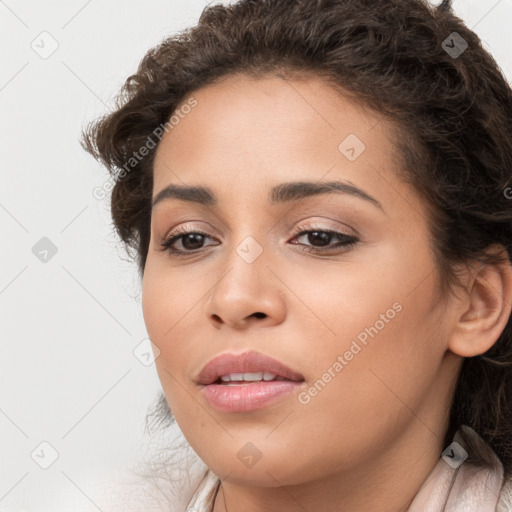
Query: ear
(484, 312)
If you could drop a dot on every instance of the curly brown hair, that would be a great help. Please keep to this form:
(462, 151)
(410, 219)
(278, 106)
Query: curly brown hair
(453, 116)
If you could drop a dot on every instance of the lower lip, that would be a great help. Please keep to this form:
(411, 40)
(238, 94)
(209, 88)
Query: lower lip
(248, 397)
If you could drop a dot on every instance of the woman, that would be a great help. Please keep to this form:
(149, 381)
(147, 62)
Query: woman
(318, 195)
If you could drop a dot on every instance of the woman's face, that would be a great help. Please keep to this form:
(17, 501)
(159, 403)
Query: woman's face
(361, 324)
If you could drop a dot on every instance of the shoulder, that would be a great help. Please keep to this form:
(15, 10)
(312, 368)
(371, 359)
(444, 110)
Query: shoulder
(501, 487)
(505, 499)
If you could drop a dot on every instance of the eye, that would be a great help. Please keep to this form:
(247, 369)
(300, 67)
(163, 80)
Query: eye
(192, 241)
(321, 240)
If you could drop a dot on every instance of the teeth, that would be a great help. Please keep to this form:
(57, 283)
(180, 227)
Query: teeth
(252, 376)
(249, 376)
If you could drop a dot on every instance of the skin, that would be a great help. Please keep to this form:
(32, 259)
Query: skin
(371, 436)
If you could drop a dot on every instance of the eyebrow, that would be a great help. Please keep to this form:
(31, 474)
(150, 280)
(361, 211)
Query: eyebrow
(282, 193)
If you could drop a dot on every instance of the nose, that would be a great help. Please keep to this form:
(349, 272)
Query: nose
(247, 294)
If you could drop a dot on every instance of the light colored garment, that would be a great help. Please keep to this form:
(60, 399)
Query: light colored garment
(465, 488)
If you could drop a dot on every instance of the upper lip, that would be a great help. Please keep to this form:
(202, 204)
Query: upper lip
(251, 361)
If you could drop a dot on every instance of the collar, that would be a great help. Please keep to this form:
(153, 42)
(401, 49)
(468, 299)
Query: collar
(458, 486)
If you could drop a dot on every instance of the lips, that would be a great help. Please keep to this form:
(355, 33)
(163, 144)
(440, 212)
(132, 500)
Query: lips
(242, 383)
(251, 362)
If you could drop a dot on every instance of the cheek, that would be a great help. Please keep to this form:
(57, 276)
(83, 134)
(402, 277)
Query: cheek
(378, 367)
(171, 305)
(378, 341)
(169, 300)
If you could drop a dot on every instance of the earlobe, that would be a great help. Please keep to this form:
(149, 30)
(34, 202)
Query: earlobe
(485, 309)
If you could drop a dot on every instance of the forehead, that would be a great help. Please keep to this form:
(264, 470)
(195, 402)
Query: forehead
(244, 132)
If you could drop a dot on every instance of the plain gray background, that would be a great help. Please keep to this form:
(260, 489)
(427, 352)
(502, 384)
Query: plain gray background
(71, 323)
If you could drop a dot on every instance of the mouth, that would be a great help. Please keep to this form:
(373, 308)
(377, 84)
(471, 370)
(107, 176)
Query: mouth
(240, 379)
(247, 381)
(246, 367)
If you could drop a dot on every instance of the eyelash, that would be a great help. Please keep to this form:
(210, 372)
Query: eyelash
(347, 242)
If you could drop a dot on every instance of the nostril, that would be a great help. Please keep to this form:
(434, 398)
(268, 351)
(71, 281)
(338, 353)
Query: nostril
(260, 315)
